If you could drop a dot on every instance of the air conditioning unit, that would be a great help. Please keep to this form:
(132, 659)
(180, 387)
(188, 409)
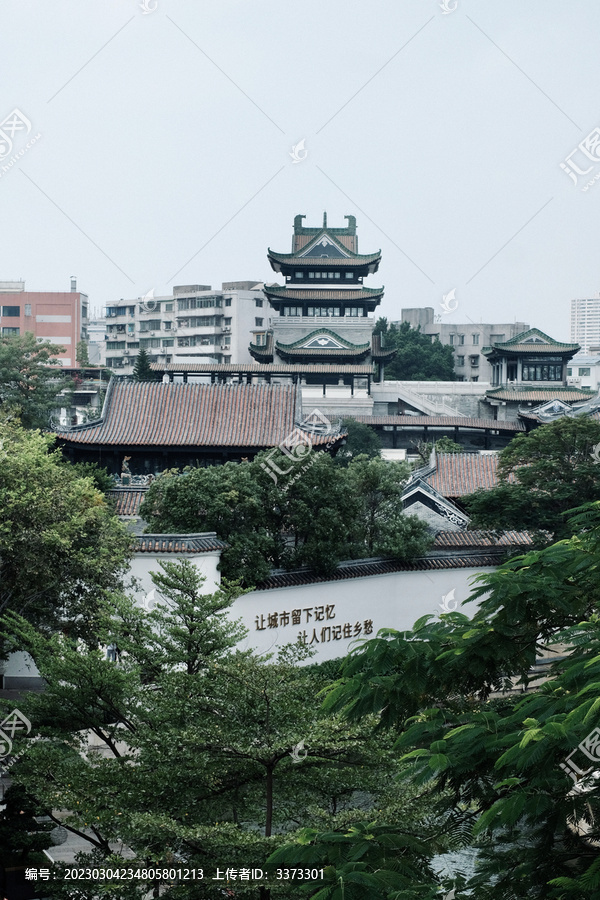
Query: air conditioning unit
(226, 329)
(126, 352)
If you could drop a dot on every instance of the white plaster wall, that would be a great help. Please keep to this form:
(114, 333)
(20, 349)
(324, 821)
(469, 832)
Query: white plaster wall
(396, 601)
(143, 564)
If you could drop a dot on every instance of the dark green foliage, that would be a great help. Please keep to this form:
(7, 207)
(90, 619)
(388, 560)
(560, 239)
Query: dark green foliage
(141, 368)
(418, 358)
(103, 480)
(542, 475)
(30, 379)
(361, 441)
(61, 546)
(316, 516)
(199, 740)
(496, 759)
(20, 834)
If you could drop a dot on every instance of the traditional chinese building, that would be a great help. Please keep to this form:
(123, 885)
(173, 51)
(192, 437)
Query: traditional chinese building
(323, 312)
(528, 370)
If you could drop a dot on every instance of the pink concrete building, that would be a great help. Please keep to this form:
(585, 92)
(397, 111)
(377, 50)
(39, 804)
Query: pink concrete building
(57, 316)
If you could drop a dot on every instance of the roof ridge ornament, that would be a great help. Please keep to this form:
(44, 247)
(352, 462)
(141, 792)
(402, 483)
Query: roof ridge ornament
(324, 220)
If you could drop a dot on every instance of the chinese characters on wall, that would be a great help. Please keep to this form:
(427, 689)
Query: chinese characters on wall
(321, 634)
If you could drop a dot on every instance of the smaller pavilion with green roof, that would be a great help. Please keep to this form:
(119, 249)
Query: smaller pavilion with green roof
(528, 370)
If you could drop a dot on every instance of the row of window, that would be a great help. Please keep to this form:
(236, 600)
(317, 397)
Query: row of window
(473, 360)
(331, 276)
(325, 311)
(7, 330)
(201, 302)
(204, 340)
(459, 339)
(585, 371)
(541, 372)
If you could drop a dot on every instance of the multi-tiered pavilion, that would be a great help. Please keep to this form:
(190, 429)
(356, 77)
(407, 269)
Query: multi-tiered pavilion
(323, 312)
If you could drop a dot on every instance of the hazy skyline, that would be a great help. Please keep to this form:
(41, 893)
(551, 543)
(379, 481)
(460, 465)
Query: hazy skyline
(167, 127)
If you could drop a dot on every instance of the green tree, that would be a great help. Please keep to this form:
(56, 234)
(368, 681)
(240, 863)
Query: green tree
(442, 445)
(542, 475)
(497, 759)
(82, 357)
(418, 358)
(362, 440)
(382, 527)
(20, 834)
(314, 516)
(61, 546)
(211, 756)
(30, 379)
(141, 368)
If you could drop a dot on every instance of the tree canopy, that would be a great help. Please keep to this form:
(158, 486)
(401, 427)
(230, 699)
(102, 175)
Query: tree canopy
(30, 379)
(320, 515)
(362, 440)
(502, 763)
(542, 474)
(61, 546)
(207, 757)
(418, 358)
(141, 368)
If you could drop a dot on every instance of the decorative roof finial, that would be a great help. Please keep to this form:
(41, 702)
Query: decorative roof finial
(324, 220)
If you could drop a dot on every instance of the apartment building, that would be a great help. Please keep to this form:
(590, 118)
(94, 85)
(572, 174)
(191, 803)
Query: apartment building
(193, 324)
(56, 316)
(466, 339)
(585, 322)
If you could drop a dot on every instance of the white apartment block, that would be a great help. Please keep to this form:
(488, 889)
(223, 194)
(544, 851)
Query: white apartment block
(585, 323)
(193, 324)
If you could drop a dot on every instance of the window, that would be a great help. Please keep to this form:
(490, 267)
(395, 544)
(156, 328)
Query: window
(353, 311)
(28, 309)
(569, 371)
(461, 339)
(258, 323)
(131, 328)
(150, 325)
(292, 310)
(227, 301)
(116, 345)
(460, 360)
(550, 370)
(168, 307)
(311, 274)
(170, 342)
(337, 274)
(475, 340)
(297, 274)
(451, 339)
(167, 326)
(227, 340)
(584, 371)
(11, 311)
(474, 360)
(349, 274)
(227, 320)
(10, 331)
(146, 343)
(133, 345)
(260, 340)
(258, 302)
(84, 312)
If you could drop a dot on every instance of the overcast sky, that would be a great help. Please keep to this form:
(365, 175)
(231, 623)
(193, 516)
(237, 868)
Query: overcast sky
(164, 155)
